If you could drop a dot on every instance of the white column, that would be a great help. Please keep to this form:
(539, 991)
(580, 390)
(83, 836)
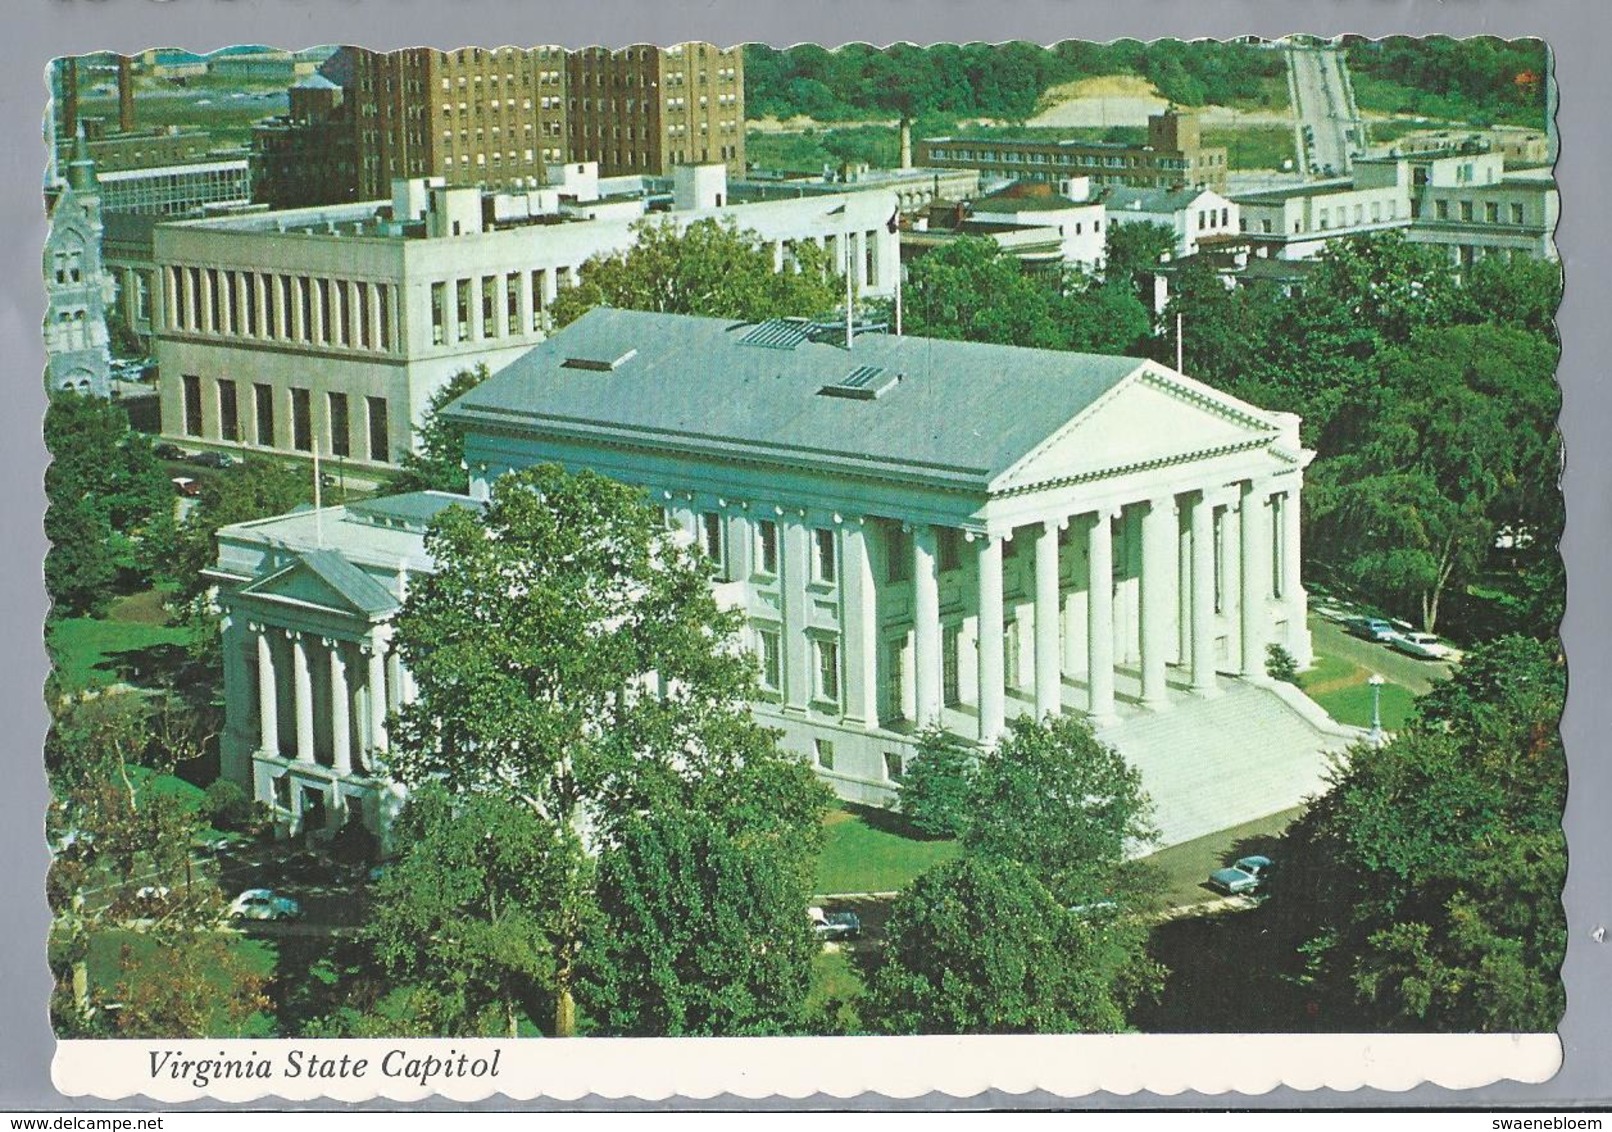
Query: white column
(268, 704)
(298, 293)
(794, 569)
(992, 678)
(302, 682)
(207, 323)
(1203, 596)
(926, 624)
(260, 317)
(341, 743)
(372, 314)
(1254, 536)
(377, 695)
(860, 617)
(1048, 678)
(317, 290)
(1158, 526)
(1293, 595)
(525, 303)
(1100, 617)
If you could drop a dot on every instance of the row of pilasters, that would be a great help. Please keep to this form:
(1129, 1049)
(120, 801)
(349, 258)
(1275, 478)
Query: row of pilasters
(385, 685)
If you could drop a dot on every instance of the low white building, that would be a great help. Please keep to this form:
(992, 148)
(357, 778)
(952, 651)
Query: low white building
(1063, 217)
(333, 326)
(1192, 214)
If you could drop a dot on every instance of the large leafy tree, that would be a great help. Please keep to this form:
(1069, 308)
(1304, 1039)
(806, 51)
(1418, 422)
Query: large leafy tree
(438, 464)
(700, 932)
(979, 946)
(105, 488)
(469, 913)
(1463, 444)
(571, 659)
(707, 269)
(1438, 860)
(1063, 804)
(253, 489)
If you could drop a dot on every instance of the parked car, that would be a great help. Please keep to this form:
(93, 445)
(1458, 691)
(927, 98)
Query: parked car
(834, 925)
(1372, 629)
(184, 485)
(1423, 646)
(212, 460)
(167, 451)
(263, 904)
(1248, 875)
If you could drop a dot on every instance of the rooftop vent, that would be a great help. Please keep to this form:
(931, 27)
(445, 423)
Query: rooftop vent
(778, 333)
(864, 383)
(600, 365)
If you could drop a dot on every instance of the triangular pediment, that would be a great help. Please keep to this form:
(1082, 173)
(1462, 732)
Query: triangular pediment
(1154, 417)
(304, 585)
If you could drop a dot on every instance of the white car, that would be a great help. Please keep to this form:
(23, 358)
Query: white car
(1423, 646)
(263, 904)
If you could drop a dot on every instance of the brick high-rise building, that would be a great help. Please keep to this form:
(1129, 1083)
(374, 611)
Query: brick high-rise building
(473, 116)
(647, 109)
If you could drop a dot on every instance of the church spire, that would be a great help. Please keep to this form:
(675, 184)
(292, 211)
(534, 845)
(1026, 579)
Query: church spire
(81, 170)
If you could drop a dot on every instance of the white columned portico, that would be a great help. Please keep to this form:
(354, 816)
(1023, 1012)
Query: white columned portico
(268, 703)
(1255, 575)
(341, 743)
(1158, 527)
(926, 625)
(377, 693)
(1203, 595)
(860, 619)
(1048, 678)
(992, 678)
(1100, 617)
(302, 686)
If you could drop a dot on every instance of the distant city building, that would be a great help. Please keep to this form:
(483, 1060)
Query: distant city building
(1193, 215)
(1465, 202)
(177, 190)
(334, 325)
(1172, 157)
(497, 118)
(77, 288)
(1040, 225)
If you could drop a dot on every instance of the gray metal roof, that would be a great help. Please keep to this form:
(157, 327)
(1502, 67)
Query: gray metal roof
(1121, 199)
(348, 580)
(961, 412)
(413, 510)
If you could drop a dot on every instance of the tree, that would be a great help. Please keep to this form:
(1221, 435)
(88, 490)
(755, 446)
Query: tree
(439, 462)
(1064, 805)
(470, 911)
(104, 487)
(1439, 859)
(707, 269)
(971, 290)
(571, 658)
(197, 985)
(1133, 252)
(979, 946)
(252, 489)
(1462, 444)
(937, 789)
(700, 932)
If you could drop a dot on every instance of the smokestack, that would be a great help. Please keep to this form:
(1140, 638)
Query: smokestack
(125, 93)
(69, 97)
(906, 144)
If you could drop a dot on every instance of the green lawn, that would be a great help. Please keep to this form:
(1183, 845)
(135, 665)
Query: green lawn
(1253, 147)
(1183, 868)
(869, 851)
(87, 651)
(1353, 704)
(834, 978)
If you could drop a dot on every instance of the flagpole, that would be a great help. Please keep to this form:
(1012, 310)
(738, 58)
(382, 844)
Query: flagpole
(1179, 368)
(850, 332)
(318, 507)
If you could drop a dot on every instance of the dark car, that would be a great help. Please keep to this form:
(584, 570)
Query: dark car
(213, 460)
(1371, 628)
(1247, 876)
(166, 451)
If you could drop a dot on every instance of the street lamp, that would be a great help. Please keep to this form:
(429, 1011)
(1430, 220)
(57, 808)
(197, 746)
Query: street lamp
(1376, 681)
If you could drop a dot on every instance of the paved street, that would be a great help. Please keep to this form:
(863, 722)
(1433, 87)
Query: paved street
(1406, 671)
(1324, 108)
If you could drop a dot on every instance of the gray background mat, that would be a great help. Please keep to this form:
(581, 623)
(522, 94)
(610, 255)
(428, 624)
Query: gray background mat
(1577, 30)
